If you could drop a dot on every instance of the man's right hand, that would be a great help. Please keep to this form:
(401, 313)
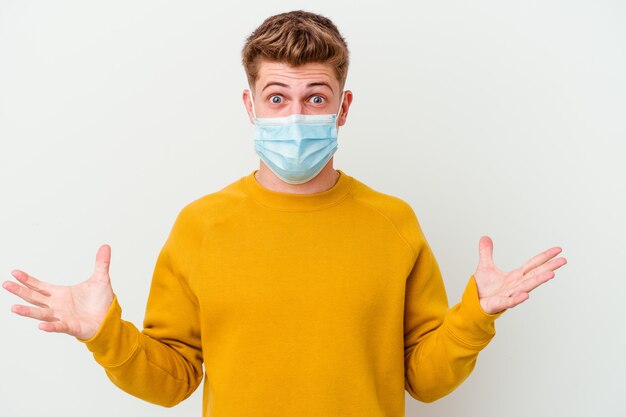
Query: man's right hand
(77, 310)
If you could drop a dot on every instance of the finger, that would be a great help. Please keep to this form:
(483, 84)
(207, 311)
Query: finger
(504, 303)
(551, 265)
(495, 304)
(43, 314)
(25, 294)
(31, 282)
(485, 251)
(54, 327)
(540, 259)
(103, 260)
(528, 285)
(515, 300)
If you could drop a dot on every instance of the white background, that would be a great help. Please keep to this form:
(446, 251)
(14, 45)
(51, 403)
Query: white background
(505, 118)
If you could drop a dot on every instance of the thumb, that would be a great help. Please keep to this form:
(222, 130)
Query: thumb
(103, 260)
(485, 252)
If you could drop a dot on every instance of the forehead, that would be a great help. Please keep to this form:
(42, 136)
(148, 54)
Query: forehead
(295, 77)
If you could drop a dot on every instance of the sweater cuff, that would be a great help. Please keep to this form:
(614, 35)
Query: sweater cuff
(469, 322)
(115, 341)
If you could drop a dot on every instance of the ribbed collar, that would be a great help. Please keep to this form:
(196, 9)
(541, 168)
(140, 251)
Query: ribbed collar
(298, 202)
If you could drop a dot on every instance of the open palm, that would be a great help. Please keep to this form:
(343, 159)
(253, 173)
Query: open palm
(77, 310)
(499, 290)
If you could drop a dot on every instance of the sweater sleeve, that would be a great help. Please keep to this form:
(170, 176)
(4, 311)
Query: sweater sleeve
(441, 345)
(162, 363)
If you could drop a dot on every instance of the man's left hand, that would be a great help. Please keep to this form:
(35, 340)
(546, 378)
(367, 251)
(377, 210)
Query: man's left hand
(499, 290)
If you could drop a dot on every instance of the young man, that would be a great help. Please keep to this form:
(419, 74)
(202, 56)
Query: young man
(302, 290)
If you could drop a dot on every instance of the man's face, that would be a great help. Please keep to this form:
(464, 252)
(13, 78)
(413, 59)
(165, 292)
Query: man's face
(281, 90)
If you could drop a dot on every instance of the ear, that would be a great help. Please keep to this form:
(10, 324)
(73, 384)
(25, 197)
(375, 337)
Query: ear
(247, 102)
(343, 115)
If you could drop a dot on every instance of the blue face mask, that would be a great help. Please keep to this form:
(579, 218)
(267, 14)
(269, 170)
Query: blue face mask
(296, 147)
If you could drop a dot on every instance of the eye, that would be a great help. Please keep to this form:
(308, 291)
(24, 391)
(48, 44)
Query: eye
(317, 99)
(275, 99)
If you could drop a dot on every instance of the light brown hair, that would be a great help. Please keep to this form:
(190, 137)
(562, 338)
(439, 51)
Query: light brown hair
(296, 38)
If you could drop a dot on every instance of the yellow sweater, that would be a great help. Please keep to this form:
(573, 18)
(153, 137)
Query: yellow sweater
(324, 305)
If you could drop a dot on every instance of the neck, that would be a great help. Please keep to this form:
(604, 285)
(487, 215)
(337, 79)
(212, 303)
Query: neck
(323, 181)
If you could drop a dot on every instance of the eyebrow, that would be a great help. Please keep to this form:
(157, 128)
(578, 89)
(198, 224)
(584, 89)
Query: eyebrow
(314, 84)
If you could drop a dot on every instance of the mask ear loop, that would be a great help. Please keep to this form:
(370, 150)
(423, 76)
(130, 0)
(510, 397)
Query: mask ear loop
(252, 101)
(343, 95)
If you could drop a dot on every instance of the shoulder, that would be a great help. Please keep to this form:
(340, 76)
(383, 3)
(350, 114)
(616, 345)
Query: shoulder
(389, 205)
(398, 211)
(212, 207)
